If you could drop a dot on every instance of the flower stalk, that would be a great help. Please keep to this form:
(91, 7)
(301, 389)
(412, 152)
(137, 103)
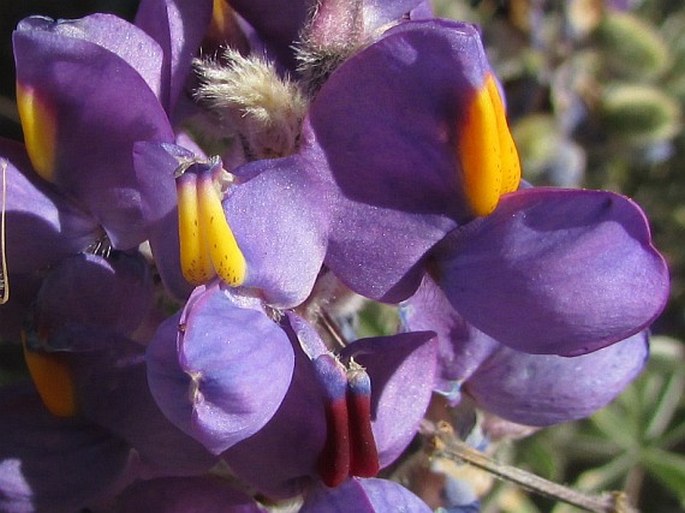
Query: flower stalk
(444, 443)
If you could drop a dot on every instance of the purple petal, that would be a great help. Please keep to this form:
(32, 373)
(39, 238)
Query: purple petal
(364, 496)
(280, 219)
(556, 271)
(220, 371)
(109, 376)
(48, 464)
(184, 495)
(422, 11)
(83, 86)
(178, 26)
(159, 162)
(387, 123)
(278, 26)
(115, 293)
(540, 390)
(378, 13)
(462, 348)
(164, 242)
(42, 225)
(105, 30)
(281, 459)
(402, 369)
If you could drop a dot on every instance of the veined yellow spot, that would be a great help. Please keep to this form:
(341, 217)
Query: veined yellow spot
(40, 130)
(226, 256)
(52, 376)
(196, 263)
(208, 246)
(486, 150)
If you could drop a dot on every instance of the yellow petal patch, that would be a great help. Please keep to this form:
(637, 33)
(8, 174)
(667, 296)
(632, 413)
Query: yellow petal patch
(40, 130)
(511, 164)
(208, 247)
(486, 151)
(52, 376)
(226, 256)
(196, 263)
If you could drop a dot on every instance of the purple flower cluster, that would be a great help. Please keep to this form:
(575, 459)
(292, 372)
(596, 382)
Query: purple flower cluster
(183, 320)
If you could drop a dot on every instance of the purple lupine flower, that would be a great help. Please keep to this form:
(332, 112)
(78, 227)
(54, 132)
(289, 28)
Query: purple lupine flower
(73, 77)
(288, 454)
(73, 187)
(95, 404)
(530, 389)
(253, 388)
(109, 378)
(83, 292)
(50, 464)
(393, 156)
(93, 382)
(84, 364)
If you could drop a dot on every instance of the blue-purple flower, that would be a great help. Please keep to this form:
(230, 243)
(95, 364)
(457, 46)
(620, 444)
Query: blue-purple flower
(263, 389)
(395, 177)
(73, 188)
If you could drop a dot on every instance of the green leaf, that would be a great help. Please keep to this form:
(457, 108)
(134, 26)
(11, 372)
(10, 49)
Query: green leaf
(669, 469)
(612, 423)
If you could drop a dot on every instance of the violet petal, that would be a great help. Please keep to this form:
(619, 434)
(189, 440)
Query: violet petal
(114, 293)
(540, 390)
(462, 348)
(221, 370)
(556, 271)
(178, 26)
(386, 122)
(280, 219)
(83, 86)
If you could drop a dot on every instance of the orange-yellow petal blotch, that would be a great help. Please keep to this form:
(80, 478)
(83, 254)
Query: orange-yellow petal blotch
(227, 259)
(39, 125)
(52, 376)
(486, 151)
(511, 164)
(196, 263)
